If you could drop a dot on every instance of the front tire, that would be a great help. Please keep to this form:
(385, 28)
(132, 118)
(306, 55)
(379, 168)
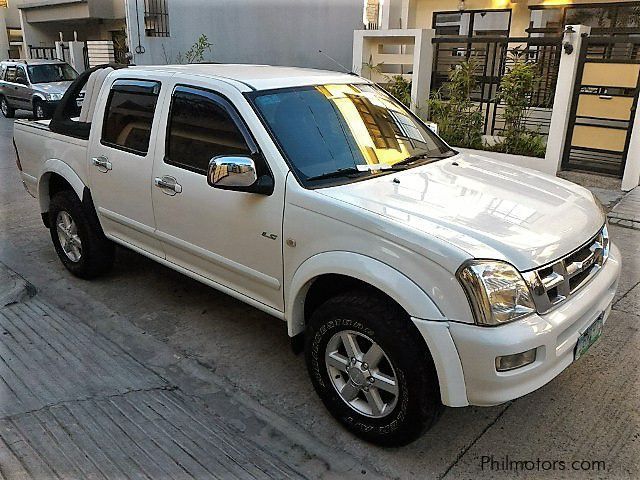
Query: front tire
(6, 109)
(79, 242)
(372, 369)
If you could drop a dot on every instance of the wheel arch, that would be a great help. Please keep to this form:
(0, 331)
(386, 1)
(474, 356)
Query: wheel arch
(37, 97)
(56, 175)
(335, 269)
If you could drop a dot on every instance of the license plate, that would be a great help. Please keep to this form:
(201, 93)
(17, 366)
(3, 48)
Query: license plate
(589, 337)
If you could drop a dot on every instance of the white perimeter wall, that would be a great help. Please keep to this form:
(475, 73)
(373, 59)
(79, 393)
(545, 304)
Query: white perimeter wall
(278, 32)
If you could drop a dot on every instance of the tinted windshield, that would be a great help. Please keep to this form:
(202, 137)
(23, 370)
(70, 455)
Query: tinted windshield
(53, 72)
(334, 128)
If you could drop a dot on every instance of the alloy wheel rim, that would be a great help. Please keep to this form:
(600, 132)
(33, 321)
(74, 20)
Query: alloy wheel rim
(362, 373)
(4, 106)
(39, 111)
(68, 236)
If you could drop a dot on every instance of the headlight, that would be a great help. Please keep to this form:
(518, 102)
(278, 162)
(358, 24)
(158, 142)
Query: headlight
(54, 96)
(497, 292)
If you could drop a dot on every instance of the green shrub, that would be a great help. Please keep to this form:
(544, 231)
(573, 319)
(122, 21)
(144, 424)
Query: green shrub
(195, 54)
(400, 88)
(459, 120)
(516, 88)
(531, 144)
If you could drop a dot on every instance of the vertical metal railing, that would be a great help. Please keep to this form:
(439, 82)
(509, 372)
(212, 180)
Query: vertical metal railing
(492, 58)
(42, 53)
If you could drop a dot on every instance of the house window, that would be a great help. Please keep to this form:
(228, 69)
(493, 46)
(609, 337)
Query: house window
(156, 18)
(471, 23)
(607, 19)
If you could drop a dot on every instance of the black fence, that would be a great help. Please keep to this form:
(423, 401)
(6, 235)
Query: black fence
(42, 53)
(492, 58)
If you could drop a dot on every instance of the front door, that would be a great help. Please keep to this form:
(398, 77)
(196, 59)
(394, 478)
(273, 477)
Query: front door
(231, 238)
(122, 147)
(604, 105)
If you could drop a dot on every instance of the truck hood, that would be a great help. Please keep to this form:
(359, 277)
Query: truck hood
(52, 87)
(486, 208)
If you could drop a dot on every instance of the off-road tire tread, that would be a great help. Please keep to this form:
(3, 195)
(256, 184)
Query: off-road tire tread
(426, 407)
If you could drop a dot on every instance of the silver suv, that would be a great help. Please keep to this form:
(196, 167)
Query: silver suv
(34, 85)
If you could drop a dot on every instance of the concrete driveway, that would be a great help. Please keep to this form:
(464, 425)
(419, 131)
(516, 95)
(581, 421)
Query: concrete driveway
(589, 414)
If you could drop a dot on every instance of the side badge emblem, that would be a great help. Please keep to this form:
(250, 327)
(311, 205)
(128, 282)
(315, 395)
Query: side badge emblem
(271, 236)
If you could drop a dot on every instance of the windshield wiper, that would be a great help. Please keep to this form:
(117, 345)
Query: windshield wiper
(423, 156)
(341, 172)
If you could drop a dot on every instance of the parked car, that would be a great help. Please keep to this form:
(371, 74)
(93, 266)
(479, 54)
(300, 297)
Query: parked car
(34, 85)
(413, 275)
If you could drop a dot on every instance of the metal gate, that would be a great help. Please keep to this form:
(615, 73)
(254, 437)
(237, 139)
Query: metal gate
(46, 53)
(604, 105)
(492, 57)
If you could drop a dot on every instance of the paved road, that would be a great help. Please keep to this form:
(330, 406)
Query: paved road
(590, 412)
(76, 405)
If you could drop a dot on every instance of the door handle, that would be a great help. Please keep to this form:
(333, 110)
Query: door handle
(102, 162)
(169, 185)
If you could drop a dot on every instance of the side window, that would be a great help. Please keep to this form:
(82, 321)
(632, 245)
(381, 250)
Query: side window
(21, 76)
(10, 75)
(201, 126)
(129, 115)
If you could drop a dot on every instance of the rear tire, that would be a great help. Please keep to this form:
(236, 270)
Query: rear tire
(407, 400)
(7, 110)
(78, 240)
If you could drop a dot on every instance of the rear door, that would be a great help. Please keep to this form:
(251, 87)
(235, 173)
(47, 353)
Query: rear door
(121, 151)
(12, 87)
(24, 88)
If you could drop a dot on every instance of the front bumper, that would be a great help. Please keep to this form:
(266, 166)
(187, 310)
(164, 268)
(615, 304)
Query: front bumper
(553, 335)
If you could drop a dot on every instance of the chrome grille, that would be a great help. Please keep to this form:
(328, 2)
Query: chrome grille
(552, 284)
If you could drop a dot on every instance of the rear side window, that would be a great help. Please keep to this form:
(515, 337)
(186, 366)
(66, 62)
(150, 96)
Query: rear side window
(10, 74)
(21, 75)
(202, 125)
(129, 115)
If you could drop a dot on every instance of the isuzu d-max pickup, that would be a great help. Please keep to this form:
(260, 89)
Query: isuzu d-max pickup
(413, 276)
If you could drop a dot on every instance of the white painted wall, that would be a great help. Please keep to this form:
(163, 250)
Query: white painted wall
(278, 32)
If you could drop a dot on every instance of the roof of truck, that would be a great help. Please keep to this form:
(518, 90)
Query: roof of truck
(262, 77)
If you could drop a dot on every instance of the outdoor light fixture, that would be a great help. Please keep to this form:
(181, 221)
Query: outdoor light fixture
(461, 5)
(567, 46)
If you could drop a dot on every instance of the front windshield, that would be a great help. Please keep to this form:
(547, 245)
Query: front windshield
(51, 72)
(356, 129)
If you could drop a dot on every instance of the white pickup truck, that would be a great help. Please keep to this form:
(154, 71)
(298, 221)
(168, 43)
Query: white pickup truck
(416, 275)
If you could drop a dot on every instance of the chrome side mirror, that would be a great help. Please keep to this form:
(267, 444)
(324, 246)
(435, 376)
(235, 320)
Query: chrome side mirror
(238, 173)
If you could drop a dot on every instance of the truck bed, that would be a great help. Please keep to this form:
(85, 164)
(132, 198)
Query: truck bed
(40, 150)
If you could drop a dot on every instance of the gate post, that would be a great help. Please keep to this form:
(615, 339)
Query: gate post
(76, 56)
(631, 177)
(563, 98)
(60, 50)
(368, 47)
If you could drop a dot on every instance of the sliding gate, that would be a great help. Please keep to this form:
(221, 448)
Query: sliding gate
(604, 105)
